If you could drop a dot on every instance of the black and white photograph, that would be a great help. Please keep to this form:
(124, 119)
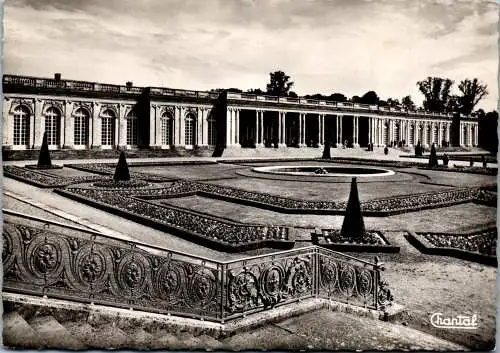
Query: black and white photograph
(249, 175)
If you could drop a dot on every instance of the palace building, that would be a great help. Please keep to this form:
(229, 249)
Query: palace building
(89, 115)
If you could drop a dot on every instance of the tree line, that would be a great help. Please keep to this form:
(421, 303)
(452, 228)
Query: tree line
(437, 92)
(439, 97)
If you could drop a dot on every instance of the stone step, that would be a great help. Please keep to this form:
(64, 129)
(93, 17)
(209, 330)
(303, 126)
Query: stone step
(54, 333)
(18, 333)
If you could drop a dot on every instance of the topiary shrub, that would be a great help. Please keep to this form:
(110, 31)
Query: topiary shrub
(44, 160)
(353, 226)
(433, 159)
(418, 149)
(386, 150)
(121, 171)
(326, 151)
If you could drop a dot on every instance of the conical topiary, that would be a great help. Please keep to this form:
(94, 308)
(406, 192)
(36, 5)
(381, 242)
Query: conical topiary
(44, 160)
(121, 172)
(326, 151)
(354, 225)
(433, 159)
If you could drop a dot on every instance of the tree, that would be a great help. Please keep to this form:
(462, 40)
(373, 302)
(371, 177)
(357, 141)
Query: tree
(407, 103)
(255, 91)
(279, 84)
(337, 97)
(487, 133)
(292, 94)
(472, 92)
(453, 104)
(355, 99)
(369, 97)
(393, 103)
(436, 91)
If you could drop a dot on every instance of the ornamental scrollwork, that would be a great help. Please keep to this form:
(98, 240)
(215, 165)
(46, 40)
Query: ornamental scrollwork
(242, 291)
(54, 103)
(25, 102)
(167, 111)
(299, 277)
(87, 106)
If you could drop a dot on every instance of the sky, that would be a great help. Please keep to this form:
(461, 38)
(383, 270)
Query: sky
(326, 46)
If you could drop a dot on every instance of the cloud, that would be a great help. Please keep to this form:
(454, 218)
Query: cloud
(348, 46)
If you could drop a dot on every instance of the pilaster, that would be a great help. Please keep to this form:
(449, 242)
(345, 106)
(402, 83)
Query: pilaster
(38, 124)
(8, 124)
(182, 126)
(69, 126)
(96, 127)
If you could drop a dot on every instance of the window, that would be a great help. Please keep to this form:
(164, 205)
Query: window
(52, 124)
(107, 128)
(81, 127)
(212, 132)
(21, 126)
(166, 129)
(189, 130)
(132, 136)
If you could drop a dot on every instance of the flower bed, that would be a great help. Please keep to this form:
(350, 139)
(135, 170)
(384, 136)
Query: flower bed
(372, 241)
(377, 207)
(48, 167)
(463, 169)
(205, 230)
(476, 246)
(45, 180)
(121, 184)
(109, 169)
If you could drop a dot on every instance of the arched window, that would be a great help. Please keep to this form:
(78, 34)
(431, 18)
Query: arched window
(52, 126)
(108, 119)
(412, 135)
(436, 135)
(212, 132)
(189, 130)
(132, 135)
(166, 129)
(21, 125)
(81, 127)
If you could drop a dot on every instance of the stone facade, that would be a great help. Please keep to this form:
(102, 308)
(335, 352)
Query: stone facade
(89, 115)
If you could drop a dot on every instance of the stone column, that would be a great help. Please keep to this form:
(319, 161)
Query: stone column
(257, 128)
(228, 126)
(476, 135)
(199, 127)
(262, 127)
(301, 127)
(69, 126)
(303, 137)
(237, 127)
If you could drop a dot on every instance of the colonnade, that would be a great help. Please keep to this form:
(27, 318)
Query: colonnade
(381, 131)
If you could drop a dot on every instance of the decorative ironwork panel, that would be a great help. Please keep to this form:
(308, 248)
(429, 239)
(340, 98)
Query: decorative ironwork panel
(347, 280)
(72, 264)
(263, 282)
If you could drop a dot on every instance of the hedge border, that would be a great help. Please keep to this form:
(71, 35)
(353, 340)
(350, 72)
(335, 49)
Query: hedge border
(488, 171)
(413, 239)
(180, 232)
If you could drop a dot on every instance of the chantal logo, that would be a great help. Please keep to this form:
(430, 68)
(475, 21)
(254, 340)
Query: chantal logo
(464, 322)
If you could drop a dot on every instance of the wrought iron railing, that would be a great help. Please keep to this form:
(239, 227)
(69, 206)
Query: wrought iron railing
(42, 257)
